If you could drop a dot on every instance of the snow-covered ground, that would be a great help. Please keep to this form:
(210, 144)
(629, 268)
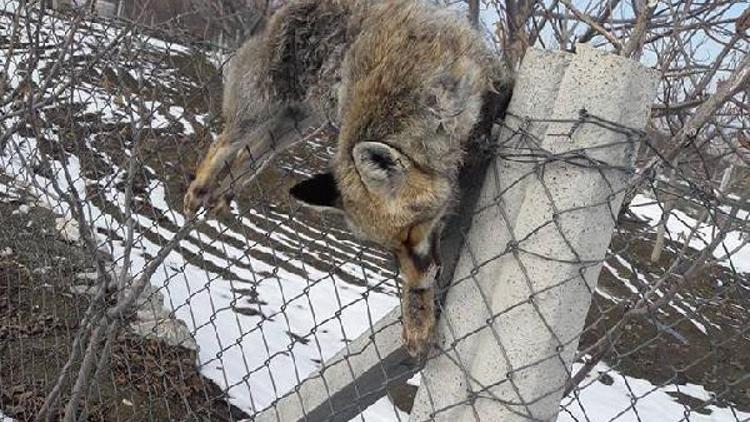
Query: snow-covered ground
(270, 296)
(381, 411)
(680, 225)
(610, 395)
(252, 352)
(607, 395)
(261, 326)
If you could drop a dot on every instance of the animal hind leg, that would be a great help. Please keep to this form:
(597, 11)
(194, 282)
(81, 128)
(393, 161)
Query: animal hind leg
(234, 159)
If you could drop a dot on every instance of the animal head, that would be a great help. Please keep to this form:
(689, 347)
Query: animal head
(394, 172)
(389, 200)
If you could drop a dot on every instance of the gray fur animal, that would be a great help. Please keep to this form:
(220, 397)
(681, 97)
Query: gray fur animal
(403, 81)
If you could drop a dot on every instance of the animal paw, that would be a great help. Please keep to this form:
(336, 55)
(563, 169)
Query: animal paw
(418, 316)
(203, 195)
(418, 340)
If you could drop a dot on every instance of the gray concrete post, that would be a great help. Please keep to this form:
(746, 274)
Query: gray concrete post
(361, 373)
(522, 287)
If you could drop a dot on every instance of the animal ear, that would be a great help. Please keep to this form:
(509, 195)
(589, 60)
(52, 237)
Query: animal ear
(455, 98)
(381, 167)
(319, 191)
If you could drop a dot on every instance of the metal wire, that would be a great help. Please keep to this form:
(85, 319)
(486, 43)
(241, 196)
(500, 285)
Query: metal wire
(114, 306)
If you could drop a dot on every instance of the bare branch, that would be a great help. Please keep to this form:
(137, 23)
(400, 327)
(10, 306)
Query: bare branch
(635, 43)
(593, 24)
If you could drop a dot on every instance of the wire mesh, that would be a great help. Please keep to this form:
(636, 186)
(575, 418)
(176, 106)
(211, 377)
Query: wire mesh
(114, 306)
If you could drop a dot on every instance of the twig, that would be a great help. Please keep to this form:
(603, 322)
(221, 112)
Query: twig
(588, 20)
(736, 81)
(473, 14)
(634, 45)
(590, 32)
(81, 384)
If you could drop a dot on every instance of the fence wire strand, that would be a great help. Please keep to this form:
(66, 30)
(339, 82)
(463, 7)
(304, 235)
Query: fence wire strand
(115, 306)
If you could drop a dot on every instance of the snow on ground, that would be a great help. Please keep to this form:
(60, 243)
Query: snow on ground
(680, 225)
(384, 411)
(258, 345)
(381, 411)
(631, 399)
(259, 350)
(250, 355)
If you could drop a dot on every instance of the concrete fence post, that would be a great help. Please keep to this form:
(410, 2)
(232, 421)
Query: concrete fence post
(510, 324)
(512, 317)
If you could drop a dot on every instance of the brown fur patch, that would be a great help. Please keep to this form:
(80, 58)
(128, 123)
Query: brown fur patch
(418, 315)
(416, 254)
(402, 73)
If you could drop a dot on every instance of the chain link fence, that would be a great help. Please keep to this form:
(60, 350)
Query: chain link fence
(113, 306)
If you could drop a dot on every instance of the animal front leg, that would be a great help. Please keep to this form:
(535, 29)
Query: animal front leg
(419, 264)
(418, 317)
